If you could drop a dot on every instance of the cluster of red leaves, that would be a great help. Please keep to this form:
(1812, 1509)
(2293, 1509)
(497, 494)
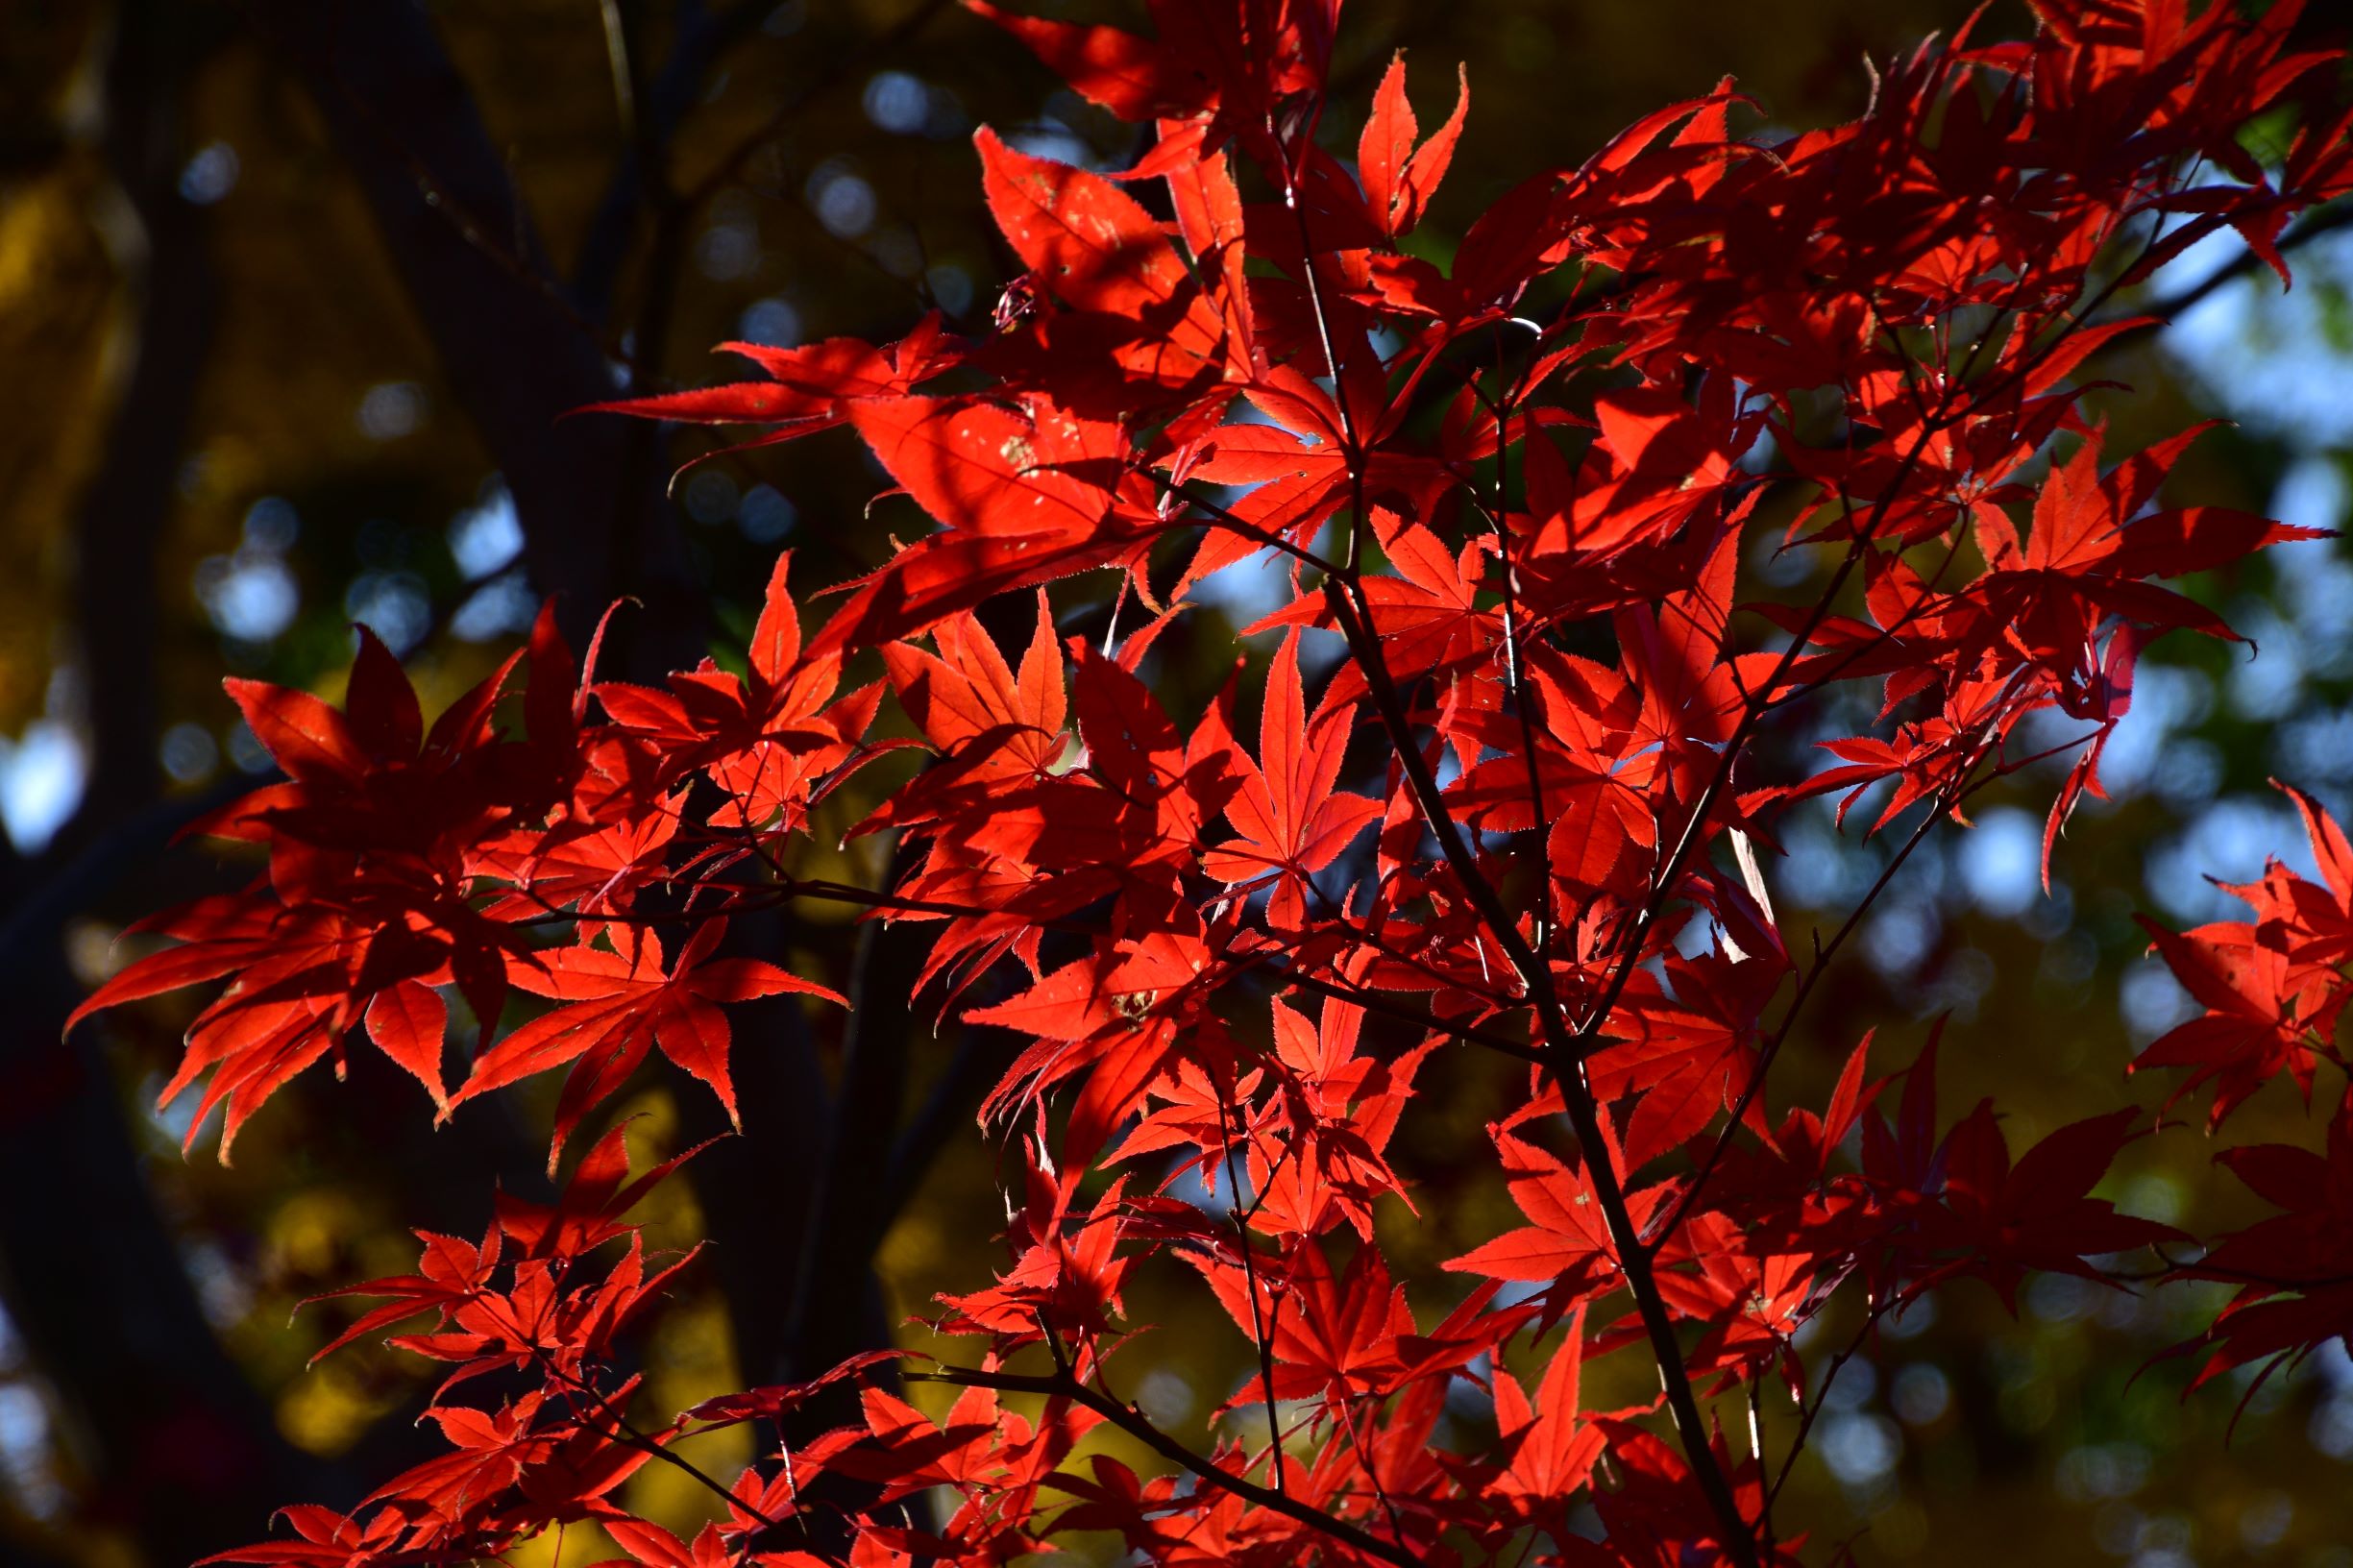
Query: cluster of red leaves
(525, 1300)
(1516, 493)
(2271, 990)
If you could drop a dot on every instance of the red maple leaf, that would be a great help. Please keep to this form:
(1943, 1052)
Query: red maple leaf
(621, 1002)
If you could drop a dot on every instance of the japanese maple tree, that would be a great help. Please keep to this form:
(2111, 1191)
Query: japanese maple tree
(1501, 788)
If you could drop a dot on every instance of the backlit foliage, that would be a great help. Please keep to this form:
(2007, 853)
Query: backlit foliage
(1499, 794)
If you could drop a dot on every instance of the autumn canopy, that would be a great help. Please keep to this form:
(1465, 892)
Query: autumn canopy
(1496, 791)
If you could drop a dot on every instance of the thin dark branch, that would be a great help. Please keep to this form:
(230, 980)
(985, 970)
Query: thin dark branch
(1136, 1425)
(629, 1436)
(1824, 956)
(1262, 1334)
(2169, 308)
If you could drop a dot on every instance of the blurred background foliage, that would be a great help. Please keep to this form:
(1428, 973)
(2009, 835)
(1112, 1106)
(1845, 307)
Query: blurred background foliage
(292, 296)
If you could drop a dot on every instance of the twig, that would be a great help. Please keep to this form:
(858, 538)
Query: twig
(1262, 1334)
(2167, 307)
(628, 1437)
(1132, 1422)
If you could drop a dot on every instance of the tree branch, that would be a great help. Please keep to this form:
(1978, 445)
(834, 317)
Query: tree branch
(1134, 1423)
(2169, 308)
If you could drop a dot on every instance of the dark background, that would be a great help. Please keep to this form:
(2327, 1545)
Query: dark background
(292, 296)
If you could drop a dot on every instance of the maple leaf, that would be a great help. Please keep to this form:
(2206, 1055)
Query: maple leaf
(1222, 63)
(808, 387)
(300, 979)
(1025, 494)
(909, 1451)
(653, 1546)
(1753, 1302)
(1067, 1270)
(1092, 246)
(621, 1003)
(368, 905)
(1550, 1450)
(451, 1272)
(2318, 917)
(1294, 822)
(2293, 1270)
(1426, 614)
(766, 1404)
(1655, 1513)
(1340, 1109)
(1398, 177)
(1333, 1337)
(2260, 1017)
(992, 728)
(1135, 78)
(494, 1311)
(2038, 1213)
(328, 1539)
(588, 1213)
(512, 1471)
(1689, 1057)
(1567, 1244)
